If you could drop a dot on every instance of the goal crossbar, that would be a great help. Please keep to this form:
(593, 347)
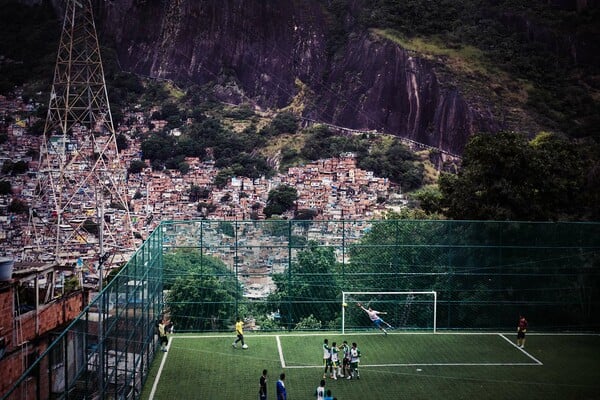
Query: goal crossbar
(345, 296)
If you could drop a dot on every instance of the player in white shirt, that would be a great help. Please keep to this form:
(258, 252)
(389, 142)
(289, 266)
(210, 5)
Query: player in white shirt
(326, 358)
(335, 361)
(375, 318)
(354, 361)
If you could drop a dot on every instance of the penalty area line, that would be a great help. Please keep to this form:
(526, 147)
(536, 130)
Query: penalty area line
(538, 362)
(426, 365)
(280, 350)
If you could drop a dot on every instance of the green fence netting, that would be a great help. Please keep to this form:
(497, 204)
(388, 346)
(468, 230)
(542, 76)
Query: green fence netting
(290, 275)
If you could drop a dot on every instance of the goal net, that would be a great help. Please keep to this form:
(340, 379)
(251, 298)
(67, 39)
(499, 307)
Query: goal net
(399, 310)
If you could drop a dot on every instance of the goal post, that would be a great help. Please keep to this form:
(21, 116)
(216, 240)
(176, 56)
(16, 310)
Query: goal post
(409, 310)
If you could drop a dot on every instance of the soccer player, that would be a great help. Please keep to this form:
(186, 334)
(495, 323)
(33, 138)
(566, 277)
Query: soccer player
(239, 330)
(320, 392)
(346, 360)
(335, 360)
(354, 361)
(326, 358)
(162, 335)
(375, 318)
(280, 388)
(262, 386)
(521, 330)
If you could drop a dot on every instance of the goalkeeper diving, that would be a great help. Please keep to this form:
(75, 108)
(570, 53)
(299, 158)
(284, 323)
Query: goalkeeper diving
(375, 317)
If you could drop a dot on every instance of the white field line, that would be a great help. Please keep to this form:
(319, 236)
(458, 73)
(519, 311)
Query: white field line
(562, 334)
(426, 365)
(524, 352)
(280, 352)
(283, 365)
(183, 336)
(162, 364)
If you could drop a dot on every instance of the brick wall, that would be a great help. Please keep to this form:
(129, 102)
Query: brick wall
(6, 311)
(49, 317)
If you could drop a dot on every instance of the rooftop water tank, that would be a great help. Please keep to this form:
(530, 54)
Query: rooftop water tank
(6, 268)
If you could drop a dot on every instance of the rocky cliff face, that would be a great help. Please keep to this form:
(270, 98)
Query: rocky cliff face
(378, 85)
(259, 50)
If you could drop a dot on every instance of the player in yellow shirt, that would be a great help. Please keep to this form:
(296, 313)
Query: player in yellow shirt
(239, 330)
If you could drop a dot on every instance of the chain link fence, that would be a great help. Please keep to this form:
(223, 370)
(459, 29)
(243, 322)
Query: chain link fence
(290, 275)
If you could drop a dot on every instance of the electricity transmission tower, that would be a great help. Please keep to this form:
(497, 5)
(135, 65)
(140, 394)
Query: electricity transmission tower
(80, 208)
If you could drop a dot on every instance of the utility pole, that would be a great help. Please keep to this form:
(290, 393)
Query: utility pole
(79, 157)
(80, 205)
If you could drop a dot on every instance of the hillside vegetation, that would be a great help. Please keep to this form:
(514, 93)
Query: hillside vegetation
(539, 60)
(542, 55)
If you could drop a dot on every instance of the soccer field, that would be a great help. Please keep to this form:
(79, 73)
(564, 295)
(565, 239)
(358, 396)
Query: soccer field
(396, 366)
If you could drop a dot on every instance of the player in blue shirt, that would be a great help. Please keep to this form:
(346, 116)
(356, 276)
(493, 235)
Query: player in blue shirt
(280, 388)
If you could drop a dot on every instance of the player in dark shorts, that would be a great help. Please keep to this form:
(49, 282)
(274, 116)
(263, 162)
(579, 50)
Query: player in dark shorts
(521, 330)
(262, 386)
(346, 359)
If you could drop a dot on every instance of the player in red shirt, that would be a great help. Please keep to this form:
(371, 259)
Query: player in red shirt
(521, 330)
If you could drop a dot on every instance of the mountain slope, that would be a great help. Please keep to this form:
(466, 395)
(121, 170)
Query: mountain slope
(260, 52)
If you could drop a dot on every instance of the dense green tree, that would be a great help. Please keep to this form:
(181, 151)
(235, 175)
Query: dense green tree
(386, 259)
(190, 147)
(174, 162)
(284, 122)
(136, 166)
(123, 87)
(7, 167)
(429, 198)
(174, 121)
(507, 177)
(309, 288)
(305, 214)
(157, 165)
(122, 142)
(5, 187)
(493, 182)
(241, 163)
(280, 200)
(158, 147)
(559, 173)
(203, 294)
(244, 111)
(155, 93)
(15, 168)
(222, 178)
(183, 168)
(117, 117)
(405, 255)
(37, 128)
(226, 228)
(322, 143)
(198, 192)
(396, 162)
(205, 208)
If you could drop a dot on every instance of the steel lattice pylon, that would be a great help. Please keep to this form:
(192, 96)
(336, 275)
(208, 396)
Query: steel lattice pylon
(80, 209)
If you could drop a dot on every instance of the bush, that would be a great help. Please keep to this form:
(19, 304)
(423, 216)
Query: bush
(308, 323)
